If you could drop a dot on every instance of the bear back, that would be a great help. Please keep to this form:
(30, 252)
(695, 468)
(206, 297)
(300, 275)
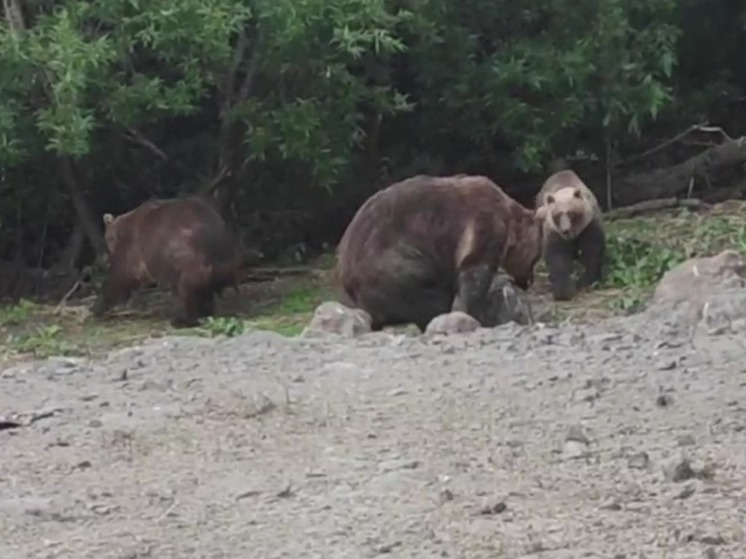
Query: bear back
(444, 221)
(162, 238)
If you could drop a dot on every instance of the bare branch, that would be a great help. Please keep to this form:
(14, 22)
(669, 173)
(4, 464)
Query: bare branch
(211, 186)
(703, 127)
(14, 15)
(138, 138)
(230, 77)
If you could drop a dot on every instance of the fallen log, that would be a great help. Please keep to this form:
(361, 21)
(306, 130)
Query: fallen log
(258, 275)
(672, 181)
(654, 206)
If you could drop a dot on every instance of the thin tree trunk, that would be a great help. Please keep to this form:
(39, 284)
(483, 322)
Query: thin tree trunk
(82, 210)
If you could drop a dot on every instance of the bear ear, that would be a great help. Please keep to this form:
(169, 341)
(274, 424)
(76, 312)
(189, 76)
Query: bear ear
(577, 193)
(549, 199)
(108, 218)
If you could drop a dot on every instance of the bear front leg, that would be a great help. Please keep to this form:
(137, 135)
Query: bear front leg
(558, 257)
(206, 303)
(191, 302)
(592, 248)
(113, 292)
(473, 286)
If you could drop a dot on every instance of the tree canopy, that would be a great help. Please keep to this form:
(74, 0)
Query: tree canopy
(290, 112)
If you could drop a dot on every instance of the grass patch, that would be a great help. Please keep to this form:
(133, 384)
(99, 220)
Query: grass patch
(291, 313)
(641, 250)
(31, 330)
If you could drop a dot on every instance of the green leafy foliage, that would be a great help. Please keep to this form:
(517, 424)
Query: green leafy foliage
(222, 326)
(637, 263)
(270, 100)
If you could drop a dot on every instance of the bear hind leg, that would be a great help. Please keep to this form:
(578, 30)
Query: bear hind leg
(206, 303)
(559, 259)
(473, 288)
(404, 289)
(407, 302)
(115, 291)
(190, 296)
(592, 248)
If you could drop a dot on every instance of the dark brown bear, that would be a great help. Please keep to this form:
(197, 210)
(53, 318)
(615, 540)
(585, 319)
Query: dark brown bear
(182, 244)
(431, 245)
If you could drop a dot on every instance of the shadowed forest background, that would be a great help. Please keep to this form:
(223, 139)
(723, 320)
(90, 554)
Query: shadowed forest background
(289, 113)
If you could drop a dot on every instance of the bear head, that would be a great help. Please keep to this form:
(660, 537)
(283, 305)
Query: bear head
(566, 211)
(111, 233)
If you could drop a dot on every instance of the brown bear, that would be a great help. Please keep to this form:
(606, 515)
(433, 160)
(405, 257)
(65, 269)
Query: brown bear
(431, 245)
(573, 230)
(179, 243)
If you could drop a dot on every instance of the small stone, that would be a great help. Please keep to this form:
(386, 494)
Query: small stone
(667, 365)
(718, 330)
(95, 423)
(388, 548)
(663, 401)
(576, 433)
(687, 492)
(497, 508)
(587, 395)
(680, 471)
(446, 495)
(639, 461)
(686, 440)
(612, 504)
(716, 539)
(456, 322)
(331, 317)
(575, 449)
(395, 465)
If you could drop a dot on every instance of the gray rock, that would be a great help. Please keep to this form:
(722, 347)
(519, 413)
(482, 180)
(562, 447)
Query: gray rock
(506, 302)
(335, 318)
(708, 290)
(455, 322)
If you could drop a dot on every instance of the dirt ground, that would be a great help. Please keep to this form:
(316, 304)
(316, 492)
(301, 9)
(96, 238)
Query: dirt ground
(612, 440)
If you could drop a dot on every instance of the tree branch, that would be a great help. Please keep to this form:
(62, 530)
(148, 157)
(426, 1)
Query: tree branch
(14, 15)
(138, 138)
(653, 206)
(702, 127)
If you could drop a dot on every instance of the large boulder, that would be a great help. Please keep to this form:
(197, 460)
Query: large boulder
(701, 277)
(709, 290)
(506, 302)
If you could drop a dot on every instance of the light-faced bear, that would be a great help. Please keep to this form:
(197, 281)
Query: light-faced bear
(573, 230)
(182, 244)
(432, 245)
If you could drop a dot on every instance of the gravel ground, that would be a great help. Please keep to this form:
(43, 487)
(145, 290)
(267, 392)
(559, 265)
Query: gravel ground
(620, 439)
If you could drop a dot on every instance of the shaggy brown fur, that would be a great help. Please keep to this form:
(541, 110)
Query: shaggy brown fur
(573, 230)
(182, 244)
(430, 245)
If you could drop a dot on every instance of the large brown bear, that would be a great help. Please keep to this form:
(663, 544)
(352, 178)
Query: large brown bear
(573, 230)
(431, 245)
(180, 243)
